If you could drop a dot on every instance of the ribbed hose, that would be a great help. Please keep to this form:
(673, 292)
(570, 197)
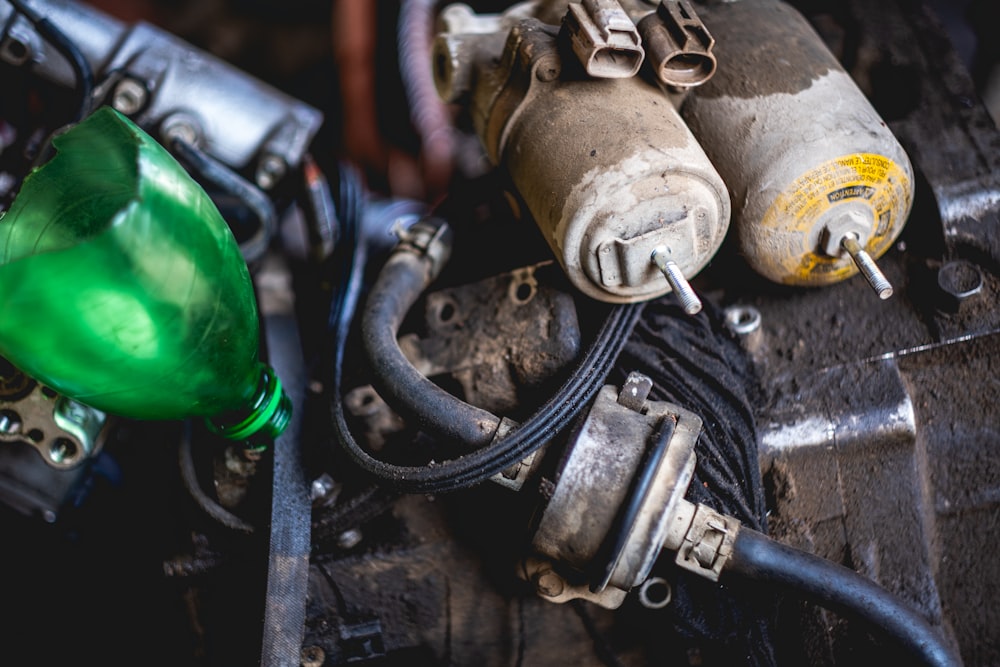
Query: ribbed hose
(427, 113)
(759, 558)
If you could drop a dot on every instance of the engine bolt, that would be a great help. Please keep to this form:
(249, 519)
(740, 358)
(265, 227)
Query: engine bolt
(130, 96)
(678, 283)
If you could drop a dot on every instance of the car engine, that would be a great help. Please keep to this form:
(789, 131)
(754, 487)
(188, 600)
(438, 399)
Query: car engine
(404, 332)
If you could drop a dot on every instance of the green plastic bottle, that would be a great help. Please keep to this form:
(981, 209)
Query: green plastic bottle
(122, 287)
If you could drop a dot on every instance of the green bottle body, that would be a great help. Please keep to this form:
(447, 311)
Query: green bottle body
(122, 286)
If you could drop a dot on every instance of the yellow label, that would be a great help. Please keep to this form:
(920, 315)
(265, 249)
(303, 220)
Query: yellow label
(865, 178)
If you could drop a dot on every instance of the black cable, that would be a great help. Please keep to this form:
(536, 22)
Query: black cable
(335, 589)
(351, 257)
(210, 506)
(70, 51)
(207, 168)
(759, 558)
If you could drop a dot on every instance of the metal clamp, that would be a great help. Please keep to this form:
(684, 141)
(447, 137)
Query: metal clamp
(708, 542)
(429, 238)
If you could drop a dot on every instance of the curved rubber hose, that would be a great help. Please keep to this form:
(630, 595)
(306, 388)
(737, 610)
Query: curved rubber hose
(478, 466)
(400, 283)
(210, 506)
(760, 558)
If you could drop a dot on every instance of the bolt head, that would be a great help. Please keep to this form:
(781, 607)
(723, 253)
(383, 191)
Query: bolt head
(181, 127)
(270, 171)
(549, 584)
(129, 97)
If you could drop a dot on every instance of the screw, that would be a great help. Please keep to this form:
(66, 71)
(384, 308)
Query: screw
(679, 284)
(62, 450)
(549, 584)
(130, 96)
(322, 488)
(180, 127)
(867, 266)
(270, 171)
(10, 422)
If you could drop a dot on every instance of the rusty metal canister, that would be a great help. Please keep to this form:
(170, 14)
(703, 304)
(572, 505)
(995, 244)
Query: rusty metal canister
(610, 173)
(811, 167)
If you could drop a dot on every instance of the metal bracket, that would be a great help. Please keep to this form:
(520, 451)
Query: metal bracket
(64, 432)
(515, 476)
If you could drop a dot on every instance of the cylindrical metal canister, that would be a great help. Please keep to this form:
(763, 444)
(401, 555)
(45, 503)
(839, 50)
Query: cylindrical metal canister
(808, 161)
(610, 173)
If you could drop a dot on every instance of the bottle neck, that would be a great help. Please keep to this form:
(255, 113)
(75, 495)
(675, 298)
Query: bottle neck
(264, 417)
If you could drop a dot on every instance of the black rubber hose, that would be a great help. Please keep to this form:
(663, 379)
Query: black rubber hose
(210, 506)
(760, 558)
(207, 168)
(400, 283)
(70, 51)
